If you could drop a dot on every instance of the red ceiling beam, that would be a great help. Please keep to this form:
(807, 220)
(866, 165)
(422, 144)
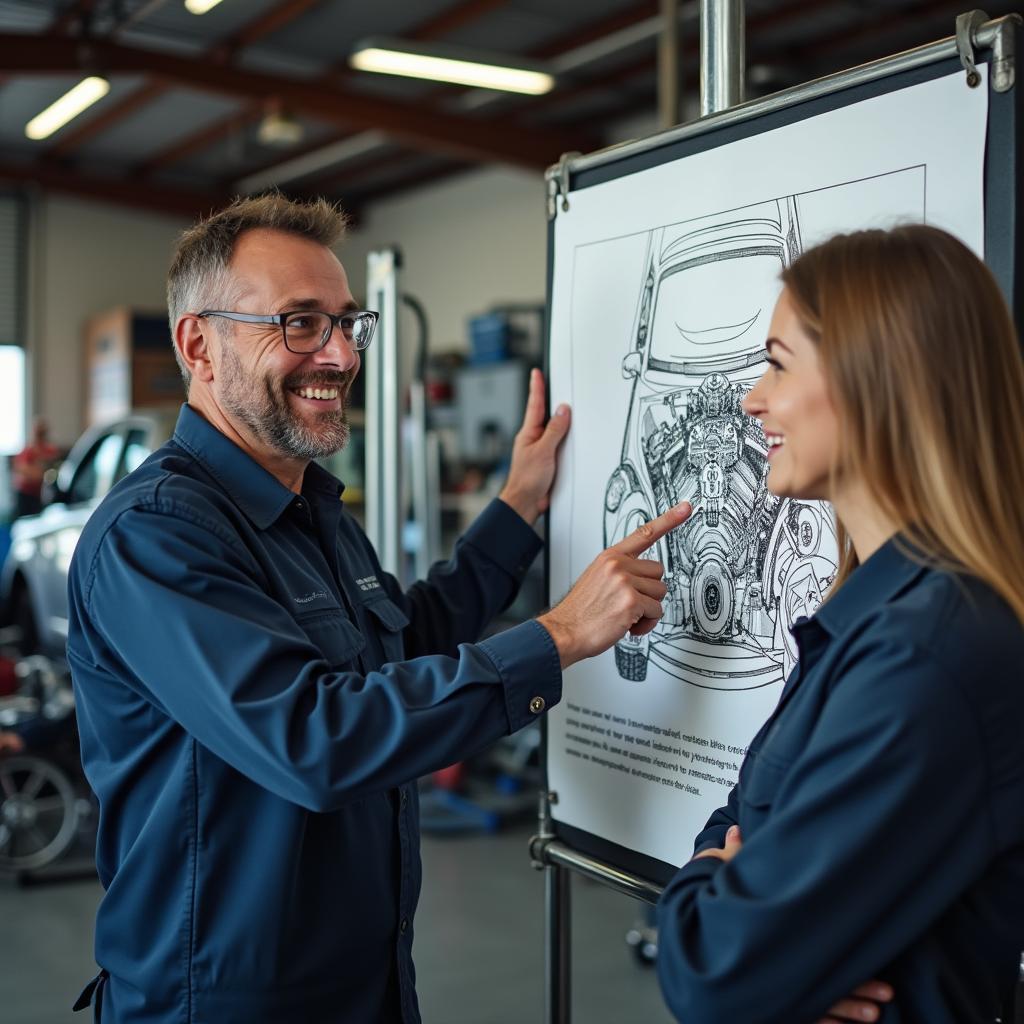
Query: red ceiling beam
(458, 136)
(458, 16)
(277, 17)
(172, 201)
(259, 28)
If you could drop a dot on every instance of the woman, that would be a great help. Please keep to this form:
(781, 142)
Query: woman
(877, 828)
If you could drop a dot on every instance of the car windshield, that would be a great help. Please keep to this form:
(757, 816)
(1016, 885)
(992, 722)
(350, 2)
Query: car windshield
(714, 306)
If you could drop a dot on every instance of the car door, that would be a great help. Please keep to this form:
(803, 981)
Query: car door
(62, 523)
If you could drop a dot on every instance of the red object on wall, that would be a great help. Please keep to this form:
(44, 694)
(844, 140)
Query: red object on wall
(8, 678)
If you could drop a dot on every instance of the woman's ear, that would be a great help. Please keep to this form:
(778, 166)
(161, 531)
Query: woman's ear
(192, 339)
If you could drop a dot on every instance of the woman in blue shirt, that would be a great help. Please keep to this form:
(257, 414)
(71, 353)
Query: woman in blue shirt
(877, 828)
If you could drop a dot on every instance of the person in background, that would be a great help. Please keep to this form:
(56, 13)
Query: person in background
(255, 695)
(877, 827)
(10, 743)
(29, 467)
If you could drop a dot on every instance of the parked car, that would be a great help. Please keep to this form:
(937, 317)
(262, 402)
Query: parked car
(33, 580)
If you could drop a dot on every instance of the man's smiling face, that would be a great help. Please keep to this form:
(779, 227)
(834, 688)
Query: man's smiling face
(292, 405)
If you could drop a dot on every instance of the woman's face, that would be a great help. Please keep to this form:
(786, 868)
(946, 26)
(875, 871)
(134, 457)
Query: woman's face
(792, 402)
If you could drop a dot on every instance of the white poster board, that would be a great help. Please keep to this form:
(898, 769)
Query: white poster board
(663, 285)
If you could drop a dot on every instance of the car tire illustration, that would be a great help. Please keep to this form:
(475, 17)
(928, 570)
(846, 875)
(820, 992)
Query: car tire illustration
(623, 517)
(631, 662)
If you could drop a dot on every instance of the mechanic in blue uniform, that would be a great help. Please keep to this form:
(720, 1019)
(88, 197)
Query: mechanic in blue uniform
(255, 695)
(877, 828)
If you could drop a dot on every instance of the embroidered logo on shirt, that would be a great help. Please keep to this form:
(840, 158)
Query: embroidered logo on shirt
(368, 583)
(312, 597)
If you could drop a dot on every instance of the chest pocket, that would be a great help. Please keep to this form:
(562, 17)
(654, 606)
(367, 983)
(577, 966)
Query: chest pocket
(334, 636)
(388, 620)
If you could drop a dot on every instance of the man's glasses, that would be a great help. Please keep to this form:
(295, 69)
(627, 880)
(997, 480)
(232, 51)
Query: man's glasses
(307, 331)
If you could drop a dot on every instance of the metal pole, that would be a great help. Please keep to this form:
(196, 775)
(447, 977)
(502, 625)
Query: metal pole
(557, 920)
(425, 456)
(557, 881)
(997, 34)
(383, 414)
(722, 55)
(668, 65)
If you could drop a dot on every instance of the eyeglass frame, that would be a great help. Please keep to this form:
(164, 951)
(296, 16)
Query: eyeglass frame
(280, 319)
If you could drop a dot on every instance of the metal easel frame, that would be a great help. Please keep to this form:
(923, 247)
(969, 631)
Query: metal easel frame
(722, 49)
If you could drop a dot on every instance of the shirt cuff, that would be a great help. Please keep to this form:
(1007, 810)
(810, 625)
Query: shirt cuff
(527, 661)
(505, 538)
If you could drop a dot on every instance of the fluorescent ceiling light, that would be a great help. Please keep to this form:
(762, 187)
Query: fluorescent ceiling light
(445, 64)
(68, 107)
(200, 6)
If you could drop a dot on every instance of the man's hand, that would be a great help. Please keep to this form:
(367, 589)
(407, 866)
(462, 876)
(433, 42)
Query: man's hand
(864, 1002)
(619, 592)
(528, 488)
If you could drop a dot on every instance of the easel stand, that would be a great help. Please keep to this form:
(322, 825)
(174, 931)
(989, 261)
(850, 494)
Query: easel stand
(557, 860)
(722, 47)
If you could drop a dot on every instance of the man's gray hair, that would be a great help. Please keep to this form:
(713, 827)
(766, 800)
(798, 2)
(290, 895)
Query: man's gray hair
(198, 276)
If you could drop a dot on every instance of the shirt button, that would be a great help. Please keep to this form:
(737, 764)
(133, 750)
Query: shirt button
(404, 798)
(537, 705)
(404, 926)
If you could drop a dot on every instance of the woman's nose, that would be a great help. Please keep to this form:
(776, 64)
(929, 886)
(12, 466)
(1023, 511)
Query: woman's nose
(753, 401)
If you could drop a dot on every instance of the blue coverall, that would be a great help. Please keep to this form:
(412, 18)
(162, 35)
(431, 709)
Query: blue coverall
(255, 698)
(881, 811)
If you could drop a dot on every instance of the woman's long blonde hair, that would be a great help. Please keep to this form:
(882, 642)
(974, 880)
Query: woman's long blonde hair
(924, 366)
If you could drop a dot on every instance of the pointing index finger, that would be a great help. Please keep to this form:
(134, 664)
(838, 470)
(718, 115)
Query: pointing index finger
(648, 533)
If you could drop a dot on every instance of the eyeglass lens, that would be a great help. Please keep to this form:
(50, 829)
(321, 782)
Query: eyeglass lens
(307, 332)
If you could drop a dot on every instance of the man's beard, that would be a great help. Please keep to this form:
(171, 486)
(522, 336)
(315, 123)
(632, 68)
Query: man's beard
(262, 405)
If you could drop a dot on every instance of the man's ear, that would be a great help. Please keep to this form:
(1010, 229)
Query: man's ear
(192, 337)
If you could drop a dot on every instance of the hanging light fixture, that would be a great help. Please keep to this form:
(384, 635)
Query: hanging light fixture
(200, 6)
(68, 107)
(450, 64)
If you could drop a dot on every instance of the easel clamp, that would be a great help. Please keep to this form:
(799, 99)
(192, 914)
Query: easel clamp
(967, 25)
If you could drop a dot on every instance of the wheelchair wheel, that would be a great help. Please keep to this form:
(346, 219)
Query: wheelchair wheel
(38, 813)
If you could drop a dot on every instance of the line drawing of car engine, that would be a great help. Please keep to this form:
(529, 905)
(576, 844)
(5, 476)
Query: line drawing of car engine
(747, 563)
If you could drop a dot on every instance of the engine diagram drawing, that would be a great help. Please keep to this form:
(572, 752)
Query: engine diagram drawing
(747, 563)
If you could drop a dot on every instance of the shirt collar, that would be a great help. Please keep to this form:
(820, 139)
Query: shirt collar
(258, 493)
(891, 569)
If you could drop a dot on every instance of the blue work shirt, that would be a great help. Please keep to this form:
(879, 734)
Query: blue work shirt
(881, 811)
(254, 697)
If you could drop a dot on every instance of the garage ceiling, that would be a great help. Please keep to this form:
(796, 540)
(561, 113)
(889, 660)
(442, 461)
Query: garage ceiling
(179, 129)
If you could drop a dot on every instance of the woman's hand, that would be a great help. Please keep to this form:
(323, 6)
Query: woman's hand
(865, 1001)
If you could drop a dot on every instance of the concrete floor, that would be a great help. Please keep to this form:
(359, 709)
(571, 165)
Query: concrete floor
(479, 949)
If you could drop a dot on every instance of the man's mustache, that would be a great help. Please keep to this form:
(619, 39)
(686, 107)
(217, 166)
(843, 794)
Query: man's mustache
(321, 380)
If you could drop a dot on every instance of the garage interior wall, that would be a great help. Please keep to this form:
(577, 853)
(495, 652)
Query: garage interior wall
(469, 242)
(86, 257)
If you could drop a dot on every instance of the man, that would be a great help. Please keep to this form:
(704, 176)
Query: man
(29, 467)
(255, 695)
